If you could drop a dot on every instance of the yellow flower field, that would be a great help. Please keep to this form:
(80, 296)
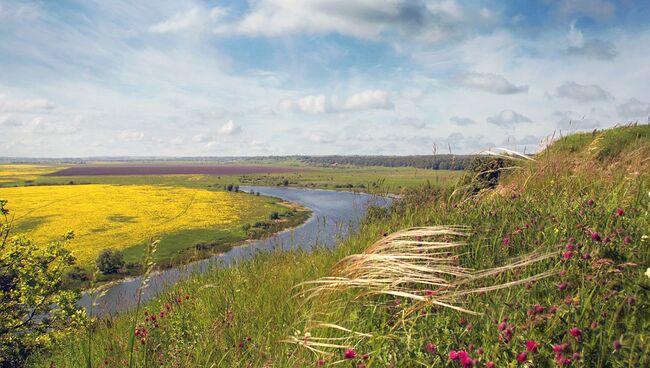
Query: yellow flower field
(112, 216)
(20, 172)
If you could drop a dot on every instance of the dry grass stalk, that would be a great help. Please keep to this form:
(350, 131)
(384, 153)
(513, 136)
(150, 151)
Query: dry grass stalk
(418, 264)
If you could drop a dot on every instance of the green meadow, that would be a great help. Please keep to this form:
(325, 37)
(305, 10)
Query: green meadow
(540, 262)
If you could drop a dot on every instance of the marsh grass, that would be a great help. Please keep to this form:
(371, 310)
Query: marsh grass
(587, 194)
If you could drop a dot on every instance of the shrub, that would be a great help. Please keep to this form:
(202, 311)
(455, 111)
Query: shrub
(109, 261)
(274, 215)
(35, 312)
(246, 227)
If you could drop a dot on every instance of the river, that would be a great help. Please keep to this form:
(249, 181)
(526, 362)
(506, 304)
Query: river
(334, 216)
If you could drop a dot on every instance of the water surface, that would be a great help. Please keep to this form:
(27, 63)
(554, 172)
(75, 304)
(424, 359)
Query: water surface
(334, 216)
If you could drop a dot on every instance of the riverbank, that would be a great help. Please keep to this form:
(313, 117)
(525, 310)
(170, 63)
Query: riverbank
(207, 243)
(586, 304)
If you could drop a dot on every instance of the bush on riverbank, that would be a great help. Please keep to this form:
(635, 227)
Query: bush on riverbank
(586, 198)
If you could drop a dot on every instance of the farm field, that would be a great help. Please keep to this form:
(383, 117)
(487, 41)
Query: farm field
(11, 173)
(373, 179)
(124, 217)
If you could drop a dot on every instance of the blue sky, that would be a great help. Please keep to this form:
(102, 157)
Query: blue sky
(276, 77)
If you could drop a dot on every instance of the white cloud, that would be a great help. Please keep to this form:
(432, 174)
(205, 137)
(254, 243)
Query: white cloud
(491, 83)
(416, 19)
(200, 138)
(131, 136)
(508, 118)
(22, 105)
(462, 121)
(321, 104)
(370, 99)
(582, 93)
(230, 128)
(634, 108)
(195, 18)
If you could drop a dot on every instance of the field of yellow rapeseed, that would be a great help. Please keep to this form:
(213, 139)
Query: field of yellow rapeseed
(114, 216)
(10, 173)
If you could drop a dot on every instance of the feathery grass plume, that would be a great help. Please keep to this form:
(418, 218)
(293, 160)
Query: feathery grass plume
(419, 264)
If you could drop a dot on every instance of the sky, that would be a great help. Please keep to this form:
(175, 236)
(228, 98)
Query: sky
(281, 77)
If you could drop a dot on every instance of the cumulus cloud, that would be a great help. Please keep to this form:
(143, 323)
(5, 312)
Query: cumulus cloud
(419, 20)
(321, 104)
(367, 100)
(493, 83)
(634, 108)
(508, 118)
(229, 128)
(131, 136)
(462, 121)
(582, 93)
(595, 49)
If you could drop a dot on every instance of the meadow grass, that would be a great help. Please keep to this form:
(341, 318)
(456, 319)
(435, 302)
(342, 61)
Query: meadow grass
(588, 205)
(366, 179)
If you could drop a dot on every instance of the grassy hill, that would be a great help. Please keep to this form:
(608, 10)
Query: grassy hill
(548, 268)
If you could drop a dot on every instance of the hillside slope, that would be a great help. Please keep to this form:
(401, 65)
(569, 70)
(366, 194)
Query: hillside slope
(550, 268)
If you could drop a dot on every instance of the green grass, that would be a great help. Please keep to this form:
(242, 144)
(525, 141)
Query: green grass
(373, 179)
(240, 315)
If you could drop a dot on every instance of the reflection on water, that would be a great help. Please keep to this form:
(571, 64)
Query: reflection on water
(335, 214)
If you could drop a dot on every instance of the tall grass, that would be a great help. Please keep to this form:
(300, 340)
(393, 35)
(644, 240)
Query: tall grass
(590, 200)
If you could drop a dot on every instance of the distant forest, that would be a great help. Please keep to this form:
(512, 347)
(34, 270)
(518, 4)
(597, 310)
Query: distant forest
(434, 162)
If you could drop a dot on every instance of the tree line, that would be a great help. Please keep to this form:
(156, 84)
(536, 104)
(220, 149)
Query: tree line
(433, 162)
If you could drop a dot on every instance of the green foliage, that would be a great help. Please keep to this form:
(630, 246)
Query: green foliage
(35, 312)
(485, 172)
(274, 215)
(109, 261)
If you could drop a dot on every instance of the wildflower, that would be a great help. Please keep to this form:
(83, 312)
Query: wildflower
(595, 236)
(617, 345)
(620, 212)
(521, 357)
(428, 292)
(350, 354)
(531, 345)
(560, 348)
(187, 297)
(562, 286)
(320, 362)
(453, 355)
(590, 202)
(561, 360)
(146, 313)
(631, 300)
(575, 332)
(479, 351)
(489, 364)
(506, 241)
(647, 272)
(502, 325)
(594, 325)
(586, 256)
(429, 347)
(567, 254)
(627, 239)
(575, 356)
(178, 300)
